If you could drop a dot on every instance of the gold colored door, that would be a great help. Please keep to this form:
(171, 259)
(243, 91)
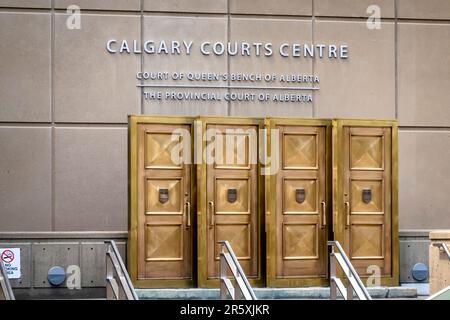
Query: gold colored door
(229, 193)
(298, 202)
(366, 196)
(161, 235)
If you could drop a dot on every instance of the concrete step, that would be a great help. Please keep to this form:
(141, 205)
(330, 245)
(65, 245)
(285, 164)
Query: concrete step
(273, 293)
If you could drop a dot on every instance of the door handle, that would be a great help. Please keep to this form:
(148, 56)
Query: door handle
(324, 213)
(211, 213)
(347, 213)
(188, 214)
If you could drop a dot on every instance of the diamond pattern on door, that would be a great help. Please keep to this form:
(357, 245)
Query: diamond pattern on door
(158, 149)
(300, 241)
(155, 204)
(366, 241)
(376, 190)
(290, 203)
(366, 152)
(238, 235)
(299, 151)
(163, 242)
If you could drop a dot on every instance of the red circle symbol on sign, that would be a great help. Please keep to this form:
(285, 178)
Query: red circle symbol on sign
(7, 256)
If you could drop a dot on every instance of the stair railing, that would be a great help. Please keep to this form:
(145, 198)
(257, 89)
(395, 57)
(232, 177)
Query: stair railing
(443, 248)
(6, 292)
(118, 283)
(354, 282)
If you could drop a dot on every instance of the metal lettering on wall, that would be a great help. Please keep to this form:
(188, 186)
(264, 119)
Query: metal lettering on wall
(195, 85)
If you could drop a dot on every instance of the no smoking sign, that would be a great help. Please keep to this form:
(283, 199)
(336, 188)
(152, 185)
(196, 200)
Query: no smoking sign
(10, 258)
(7, 256)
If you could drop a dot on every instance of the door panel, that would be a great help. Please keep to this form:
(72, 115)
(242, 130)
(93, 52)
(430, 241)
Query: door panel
(365, 211)
(297, 205)
(230, 198)
(368, 226)
(162, 220)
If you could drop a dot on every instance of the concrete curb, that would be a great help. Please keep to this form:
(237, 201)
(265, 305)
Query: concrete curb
(272, 293)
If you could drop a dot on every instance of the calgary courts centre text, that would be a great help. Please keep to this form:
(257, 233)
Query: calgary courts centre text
(175, 47)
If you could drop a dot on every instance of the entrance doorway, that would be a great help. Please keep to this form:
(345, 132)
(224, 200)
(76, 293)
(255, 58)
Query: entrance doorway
(276, 189)
(298, 200)
(229, 197)
(365, 196)
(162, 206)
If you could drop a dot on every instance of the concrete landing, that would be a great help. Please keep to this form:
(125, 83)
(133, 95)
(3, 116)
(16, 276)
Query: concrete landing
(273, 293)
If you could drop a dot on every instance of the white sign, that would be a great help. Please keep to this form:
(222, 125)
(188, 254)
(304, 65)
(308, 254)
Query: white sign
(11, 260)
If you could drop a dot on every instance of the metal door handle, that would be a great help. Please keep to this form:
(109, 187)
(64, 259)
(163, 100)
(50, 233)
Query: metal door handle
(347, 213)
(188, 214)
(211, 213)
(324, 213)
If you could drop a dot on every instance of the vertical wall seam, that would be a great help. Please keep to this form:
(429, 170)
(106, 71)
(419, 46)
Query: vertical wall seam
(228, 56)
(52, 113)
(313, 62)
(396, 58)
(142, 109)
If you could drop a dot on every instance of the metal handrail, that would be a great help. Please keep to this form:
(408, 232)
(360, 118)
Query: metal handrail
(6, 292)
(440, 294)
(354, 282)
(118, 283)
(241, 288)
(443, 248)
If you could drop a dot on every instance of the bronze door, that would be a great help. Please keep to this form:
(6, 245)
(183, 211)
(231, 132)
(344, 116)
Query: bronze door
(366, 223)
(164, 226)
(298, 200)
(230, 196)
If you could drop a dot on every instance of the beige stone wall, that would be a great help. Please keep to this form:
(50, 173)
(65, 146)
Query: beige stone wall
(64, 100)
